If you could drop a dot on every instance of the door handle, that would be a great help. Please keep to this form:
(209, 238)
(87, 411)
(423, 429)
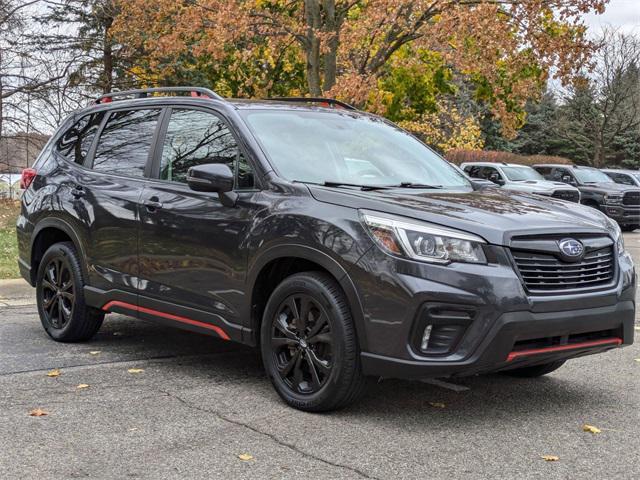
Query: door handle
(78, 191)
(152, 204)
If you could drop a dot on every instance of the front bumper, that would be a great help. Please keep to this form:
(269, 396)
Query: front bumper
(503, 317)
(624, 215)
(496, 352)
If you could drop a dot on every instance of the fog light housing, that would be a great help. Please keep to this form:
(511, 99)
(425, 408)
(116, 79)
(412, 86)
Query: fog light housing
(440, 327)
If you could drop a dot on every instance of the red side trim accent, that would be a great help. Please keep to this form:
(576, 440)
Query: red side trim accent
(561, 348)
(170, 316)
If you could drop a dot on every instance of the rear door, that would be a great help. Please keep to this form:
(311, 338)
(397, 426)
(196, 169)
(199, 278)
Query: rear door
(193, 257)
(108, 193)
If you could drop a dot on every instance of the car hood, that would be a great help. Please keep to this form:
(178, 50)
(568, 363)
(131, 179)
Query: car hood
(607, 187)
(495, 215)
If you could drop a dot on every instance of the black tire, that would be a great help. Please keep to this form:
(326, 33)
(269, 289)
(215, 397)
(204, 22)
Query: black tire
(535, 370)
(60, 296)
(321, 352)
(629, 228)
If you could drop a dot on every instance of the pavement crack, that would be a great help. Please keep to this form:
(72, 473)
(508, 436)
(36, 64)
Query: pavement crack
(271, 436)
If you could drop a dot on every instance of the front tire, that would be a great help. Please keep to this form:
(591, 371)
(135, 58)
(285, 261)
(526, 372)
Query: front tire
(59, 291)
(309, 345)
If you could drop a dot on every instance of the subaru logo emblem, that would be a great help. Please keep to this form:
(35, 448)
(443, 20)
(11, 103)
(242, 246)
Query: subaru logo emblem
(571, 249)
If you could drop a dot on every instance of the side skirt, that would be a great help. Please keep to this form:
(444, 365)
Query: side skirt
(164, 312)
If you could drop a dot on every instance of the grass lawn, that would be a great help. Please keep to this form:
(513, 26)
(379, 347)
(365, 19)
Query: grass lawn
(8, 245)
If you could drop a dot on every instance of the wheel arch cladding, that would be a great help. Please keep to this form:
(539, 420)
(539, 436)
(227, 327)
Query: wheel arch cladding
(49, 232)
(286, 260)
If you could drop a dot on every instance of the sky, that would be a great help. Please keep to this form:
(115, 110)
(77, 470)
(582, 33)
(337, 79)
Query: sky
(621, 14)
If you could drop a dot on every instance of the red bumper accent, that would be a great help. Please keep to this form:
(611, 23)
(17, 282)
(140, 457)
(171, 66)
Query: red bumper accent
(562, 348)
(170, 316)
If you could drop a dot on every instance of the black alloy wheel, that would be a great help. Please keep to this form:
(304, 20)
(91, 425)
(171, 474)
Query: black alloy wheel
(58, 293)
(309, 344)
(302, 343)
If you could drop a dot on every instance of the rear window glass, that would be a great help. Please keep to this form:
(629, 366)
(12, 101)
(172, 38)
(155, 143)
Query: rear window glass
(125, 142)
(75, 143)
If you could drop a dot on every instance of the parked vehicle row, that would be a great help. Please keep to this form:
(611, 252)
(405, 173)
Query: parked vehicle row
(614, 192)
(336, 242)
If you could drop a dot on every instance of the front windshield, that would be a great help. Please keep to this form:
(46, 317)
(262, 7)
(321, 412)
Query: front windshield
(518, 174)
(591, 175)
(340, 147)
(637, 175)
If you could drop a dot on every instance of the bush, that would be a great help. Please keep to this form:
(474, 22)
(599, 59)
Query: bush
(461, 156)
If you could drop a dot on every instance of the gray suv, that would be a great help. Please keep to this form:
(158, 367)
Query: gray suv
(618, 201)
(335, 242)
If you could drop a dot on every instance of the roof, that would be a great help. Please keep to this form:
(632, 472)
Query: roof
(621, 170)
(495, 164)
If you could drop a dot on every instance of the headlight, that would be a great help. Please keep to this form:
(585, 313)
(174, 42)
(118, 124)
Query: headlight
(616, 234)
(423, 241)
(613, 199)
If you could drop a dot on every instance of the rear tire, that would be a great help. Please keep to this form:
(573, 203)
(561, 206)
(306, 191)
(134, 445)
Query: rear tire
(309, 345)
(60, 296)
(629, 228)
(535, 371)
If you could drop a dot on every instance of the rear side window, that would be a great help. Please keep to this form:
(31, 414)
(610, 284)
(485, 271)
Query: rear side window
(195, 138)
(75, 143)
(124, 145)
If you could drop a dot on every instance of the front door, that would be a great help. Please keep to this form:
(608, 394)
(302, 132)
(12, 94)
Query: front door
(192, 256)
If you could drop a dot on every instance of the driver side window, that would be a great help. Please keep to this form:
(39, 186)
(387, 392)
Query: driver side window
(196, 137)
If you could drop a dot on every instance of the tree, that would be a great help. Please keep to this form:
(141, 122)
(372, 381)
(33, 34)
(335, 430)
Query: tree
(600, 117)
(506, 47)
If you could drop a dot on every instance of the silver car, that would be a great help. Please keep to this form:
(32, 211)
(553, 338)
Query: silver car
(520, 178)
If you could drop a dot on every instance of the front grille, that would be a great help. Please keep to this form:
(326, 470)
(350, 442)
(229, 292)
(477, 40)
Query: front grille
(546, 273)
(570, 195)
(631, 198)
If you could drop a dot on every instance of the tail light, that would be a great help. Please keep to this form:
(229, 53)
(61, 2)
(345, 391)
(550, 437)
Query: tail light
(28, 174)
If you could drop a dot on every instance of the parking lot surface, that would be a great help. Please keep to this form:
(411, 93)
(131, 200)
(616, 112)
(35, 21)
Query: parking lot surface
(155, 402)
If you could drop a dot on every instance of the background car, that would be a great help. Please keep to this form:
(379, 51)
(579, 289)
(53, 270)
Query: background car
(624, 177)
(620, 202)
(520, 178)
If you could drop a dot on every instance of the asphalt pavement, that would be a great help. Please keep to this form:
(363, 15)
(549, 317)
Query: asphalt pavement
(161, 403)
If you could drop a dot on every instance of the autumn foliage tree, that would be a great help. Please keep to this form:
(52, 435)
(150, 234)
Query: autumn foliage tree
(345, 48)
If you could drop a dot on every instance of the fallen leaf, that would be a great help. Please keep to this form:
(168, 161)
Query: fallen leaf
(550, 458)
(437, 404)
(245, 457)
(53, 373)
(135, 370)
(82, 385)
(95, 352)
(117, 334)
(590, 429)
(637, 329)
(38, 412)
(638, 360)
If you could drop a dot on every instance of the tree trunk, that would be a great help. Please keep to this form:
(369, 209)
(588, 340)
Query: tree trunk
(107, 59)
(312, 46)
(332, 27)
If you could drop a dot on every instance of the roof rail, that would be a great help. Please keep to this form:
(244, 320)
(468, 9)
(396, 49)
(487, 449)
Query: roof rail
(328, 101)
(144, 93)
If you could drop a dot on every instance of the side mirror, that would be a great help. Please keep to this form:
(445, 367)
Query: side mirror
(568, 179)
(495, 178)
(213, 177)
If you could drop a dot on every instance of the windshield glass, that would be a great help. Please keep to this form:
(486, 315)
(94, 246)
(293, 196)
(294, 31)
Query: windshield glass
(591, 175)
(340, 147)
(517, 174)
(637, 175)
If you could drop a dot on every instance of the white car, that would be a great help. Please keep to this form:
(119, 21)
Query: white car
(520, 178)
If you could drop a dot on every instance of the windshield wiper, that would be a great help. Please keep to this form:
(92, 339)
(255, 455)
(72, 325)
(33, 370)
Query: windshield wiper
(357, 185)
(418, 185)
